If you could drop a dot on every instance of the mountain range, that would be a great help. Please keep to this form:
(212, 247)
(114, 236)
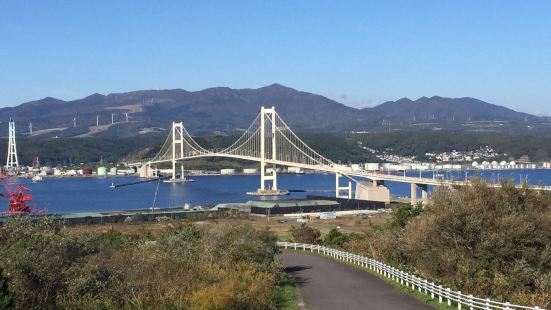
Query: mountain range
(223, 110)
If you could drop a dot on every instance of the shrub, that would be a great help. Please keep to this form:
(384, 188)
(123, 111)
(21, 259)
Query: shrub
(335, 238)
(491, 242)
(304, 234)
(216, 266)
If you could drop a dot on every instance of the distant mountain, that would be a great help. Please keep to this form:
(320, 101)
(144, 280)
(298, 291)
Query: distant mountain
(445, 110)
(225, 110)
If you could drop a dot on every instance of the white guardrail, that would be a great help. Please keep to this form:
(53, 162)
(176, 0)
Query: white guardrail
(451, 297)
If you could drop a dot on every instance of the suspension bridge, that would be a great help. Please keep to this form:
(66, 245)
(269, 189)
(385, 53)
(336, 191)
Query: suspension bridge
(271, 142)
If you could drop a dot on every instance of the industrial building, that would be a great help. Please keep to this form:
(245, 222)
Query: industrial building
(293, 206)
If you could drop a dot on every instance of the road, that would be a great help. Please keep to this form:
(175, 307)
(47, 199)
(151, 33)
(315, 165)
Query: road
(327, 284)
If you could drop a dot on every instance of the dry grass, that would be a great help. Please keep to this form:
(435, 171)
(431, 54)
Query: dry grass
(278, 224)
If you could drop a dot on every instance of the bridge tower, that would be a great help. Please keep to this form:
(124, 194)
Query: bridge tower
(12, 162)
(177, 147)
(267, 146)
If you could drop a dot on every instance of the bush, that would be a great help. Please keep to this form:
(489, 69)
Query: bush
(6, 300)
(489, 242)
(335, 238)
(218, 266)
(304, 234)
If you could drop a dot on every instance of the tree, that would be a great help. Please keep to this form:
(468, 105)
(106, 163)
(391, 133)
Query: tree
(402, 213)
(305, 234)
(6, 300)
(335, 238)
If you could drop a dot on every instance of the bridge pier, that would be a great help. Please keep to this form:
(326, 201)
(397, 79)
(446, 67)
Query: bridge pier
(413, 194)
(424, 194)
(339, 189)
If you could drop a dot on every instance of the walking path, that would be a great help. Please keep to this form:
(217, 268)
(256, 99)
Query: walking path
(327, 284)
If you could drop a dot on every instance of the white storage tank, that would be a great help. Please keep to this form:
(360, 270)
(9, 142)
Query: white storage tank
(372, 166)
(423, 167)
(297, 170)
(227, 171)
(102, 171)
(250, 171)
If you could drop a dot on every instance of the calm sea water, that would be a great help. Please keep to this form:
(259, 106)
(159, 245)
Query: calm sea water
(59, 195)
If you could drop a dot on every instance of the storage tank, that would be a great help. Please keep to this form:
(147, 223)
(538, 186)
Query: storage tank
(296, 170)
(86, 171)
(102, 171)
(372, 166)
(113, 171)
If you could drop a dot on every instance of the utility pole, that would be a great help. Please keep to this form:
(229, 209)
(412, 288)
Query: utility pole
(112, 118)
(97, 120)
(30, 128)
(74, 122)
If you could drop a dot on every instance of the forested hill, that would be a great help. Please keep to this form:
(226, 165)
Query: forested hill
(344, 148)
(226, 110)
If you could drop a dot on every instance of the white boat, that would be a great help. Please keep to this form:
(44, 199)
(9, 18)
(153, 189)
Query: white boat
(177, 180)
(37, 178)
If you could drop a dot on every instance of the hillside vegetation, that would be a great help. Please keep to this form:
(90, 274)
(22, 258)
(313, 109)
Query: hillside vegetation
(344, 148)
(483, 241)
(45, 265)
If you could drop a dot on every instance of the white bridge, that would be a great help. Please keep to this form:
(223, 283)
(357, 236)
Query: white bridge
(271, 142)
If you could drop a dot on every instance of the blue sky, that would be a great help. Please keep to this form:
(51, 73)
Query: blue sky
(360, 53)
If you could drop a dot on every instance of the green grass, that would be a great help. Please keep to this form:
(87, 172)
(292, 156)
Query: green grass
(415, 293)
(284, 293)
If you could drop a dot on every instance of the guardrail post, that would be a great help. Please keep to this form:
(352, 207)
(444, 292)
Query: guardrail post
(304, 247)
(426, 285)
(448, 295)
(419, 284)
(440, 293)
(459, 300)
(487, 305)
(295, 246)
(507, 306)
(470, 302)
(432, 290)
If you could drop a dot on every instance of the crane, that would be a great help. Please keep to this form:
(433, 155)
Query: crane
(18, 196)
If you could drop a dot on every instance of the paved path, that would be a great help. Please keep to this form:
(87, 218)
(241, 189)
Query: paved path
(327, 284)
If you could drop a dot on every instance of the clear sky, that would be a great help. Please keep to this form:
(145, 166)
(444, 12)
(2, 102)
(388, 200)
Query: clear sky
(360, 53)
